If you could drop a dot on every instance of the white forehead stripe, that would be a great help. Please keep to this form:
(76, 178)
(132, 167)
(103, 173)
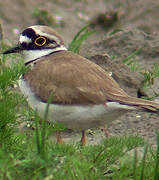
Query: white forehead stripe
(24, 39)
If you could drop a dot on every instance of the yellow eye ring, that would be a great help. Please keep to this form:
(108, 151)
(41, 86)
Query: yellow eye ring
(40, 41)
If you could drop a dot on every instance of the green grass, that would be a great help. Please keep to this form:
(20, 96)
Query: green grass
(78, 39)
(129, 60)
(31, 154)
(149, 75)
(44, 17)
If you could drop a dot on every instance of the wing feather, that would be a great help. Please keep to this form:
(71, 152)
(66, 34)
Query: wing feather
(75, 80)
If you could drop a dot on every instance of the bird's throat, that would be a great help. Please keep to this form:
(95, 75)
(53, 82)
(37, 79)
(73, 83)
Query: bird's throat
(31, 55)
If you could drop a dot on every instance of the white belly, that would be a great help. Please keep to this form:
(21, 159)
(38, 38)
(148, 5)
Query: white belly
(76, 116)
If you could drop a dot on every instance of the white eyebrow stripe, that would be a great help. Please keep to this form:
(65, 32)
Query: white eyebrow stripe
(41, 33)
(24, 39)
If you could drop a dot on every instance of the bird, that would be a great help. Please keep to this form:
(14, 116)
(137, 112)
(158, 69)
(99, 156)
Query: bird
(84, 95)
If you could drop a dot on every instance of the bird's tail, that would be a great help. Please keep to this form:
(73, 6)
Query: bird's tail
(140, 103)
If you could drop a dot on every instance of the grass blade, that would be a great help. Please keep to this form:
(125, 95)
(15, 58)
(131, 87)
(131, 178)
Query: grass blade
(125, 60)
(156, 170)
(37, 133)
(79, 33)
(82, 35)
(44, 121)
(143, 163)
(135, 164)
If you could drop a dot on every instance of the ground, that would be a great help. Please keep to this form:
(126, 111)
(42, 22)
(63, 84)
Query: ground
(139, 22)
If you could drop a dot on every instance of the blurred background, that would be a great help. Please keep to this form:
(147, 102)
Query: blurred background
(69, 16)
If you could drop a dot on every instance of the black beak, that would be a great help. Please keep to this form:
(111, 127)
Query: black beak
(15, 49)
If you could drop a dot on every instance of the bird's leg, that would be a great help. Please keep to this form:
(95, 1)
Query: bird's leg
(58, 137)
(106, 132)
(83, 139)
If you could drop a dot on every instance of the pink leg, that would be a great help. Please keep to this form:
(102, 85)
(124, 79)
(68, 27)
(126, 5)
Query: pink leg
(83, 139)
(58, 137)
(106, 132)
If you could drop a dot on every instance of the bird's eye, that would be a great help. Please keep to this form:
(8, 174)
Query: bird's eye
(40, 41)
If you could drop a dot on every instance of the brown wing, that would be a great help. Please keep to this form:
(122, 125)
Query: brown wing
(73, 79)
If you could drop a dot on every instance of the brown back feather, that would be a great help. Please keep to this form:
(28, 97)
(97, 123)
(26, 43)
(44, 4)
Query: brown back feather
(75, 80)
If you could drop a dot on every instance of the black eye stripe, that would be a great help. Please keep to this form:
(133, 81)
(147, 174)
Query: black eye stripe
(52, 41)
(24, 45)
(30, 33)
